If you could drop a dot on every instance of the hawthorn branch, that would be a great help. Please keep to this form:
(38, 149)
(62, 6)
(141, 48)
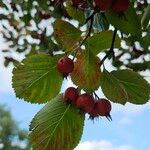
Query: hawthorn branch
(111, 50)
(91, 18)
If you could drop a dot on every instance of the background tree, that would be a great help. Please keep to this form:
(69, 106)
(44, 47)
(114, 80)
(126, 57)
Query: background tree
(11, 136)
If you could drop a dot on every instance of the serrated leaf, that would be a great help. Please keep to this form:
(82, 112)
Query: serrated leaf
(128, 23)
(36, 79)
(125, 86)
(101, 41)
(86, 72)
(58, 126)
(75, 13)
(137, 88)
(112, 88)
(66, 35)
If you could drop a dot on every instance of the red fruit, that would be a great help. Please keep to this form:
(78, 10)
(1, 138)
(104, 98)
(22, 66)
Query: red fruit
(85, 102)
(71, 95)
(79, 4)
(102, 107)
(120, 6)
(65, 65)
(102, 5)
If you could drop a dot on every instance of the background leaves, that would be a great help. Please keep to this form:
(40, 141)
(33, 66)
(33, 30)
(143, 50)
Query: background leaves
(128, 23)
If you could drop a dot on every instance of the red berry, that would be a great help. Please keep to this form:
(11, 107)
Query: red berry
(102, 107)
(120, 6)
(79, 4)
(102, 5)
(85, 102)
(71, 95)
(65, 65)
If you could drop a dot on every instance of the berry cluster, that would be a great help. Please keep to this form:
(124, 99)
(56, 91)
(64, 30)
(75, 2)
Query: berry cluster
(87, 104)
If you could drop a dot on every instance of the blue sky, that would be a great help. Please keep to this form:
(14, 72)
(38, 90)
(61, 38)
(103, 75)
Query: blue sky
(129, 130)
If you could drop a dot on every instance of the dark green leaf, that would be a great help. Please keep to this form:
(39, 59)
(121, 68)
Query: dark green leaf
(112, 88)
(137, 88)
(125, 86)
(128, 23)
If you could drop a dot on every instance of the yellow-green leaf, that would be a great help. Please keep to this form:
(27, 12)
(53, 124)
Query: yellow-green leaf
(36, 79)
(58, 126)
(66, 35)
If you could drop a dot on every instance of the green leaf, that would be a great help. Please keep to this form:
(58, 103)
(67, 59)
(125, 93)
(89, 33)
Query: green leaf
(86, 72)
(112, 88)
(66, 35)
(36, 79)
(58, 126)
(138, 89)
(128, 23)
(101, 41)
(144, 41)
(146, 17)
(133, 87)
(75, 13)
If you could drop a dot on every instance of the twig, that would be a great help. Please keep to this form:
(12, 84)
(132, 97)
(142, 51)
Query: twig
(91, 18)
(111, 50)
(96, 95)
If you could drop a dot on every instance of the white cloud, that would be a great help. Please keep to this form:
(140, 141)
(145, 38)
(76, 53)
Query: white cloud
(130, 109)
(125, 121)
(101, 145)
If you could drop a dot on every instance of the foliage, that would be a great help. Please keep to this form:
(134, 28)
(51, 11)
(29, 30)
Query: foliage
(44, 31)
(11, 136)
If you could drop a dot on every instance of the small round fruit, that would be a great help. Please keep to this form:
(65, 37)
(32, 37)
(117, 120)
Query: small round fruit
(85, 102)
(102, 5)
(102, 107)
(65, 65)
(71, 95)
(120, 6)
(79, 4)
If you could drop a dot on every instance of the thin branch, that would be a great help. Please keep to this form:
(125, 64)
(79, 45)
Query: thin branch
(91, 18)
(111, 50)
(96, 95)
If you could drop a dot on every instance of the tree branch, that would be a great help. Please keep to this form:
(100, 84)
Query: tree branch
(111, 50)
(91, 18)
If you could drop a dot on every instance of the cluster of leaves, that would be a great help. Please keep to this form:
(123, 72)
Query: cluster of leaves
(37, 80)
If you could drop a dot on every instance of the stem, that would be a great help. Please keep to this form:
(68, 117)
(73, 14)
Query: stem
(96, 95)
(111, 50)
(91, 18)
